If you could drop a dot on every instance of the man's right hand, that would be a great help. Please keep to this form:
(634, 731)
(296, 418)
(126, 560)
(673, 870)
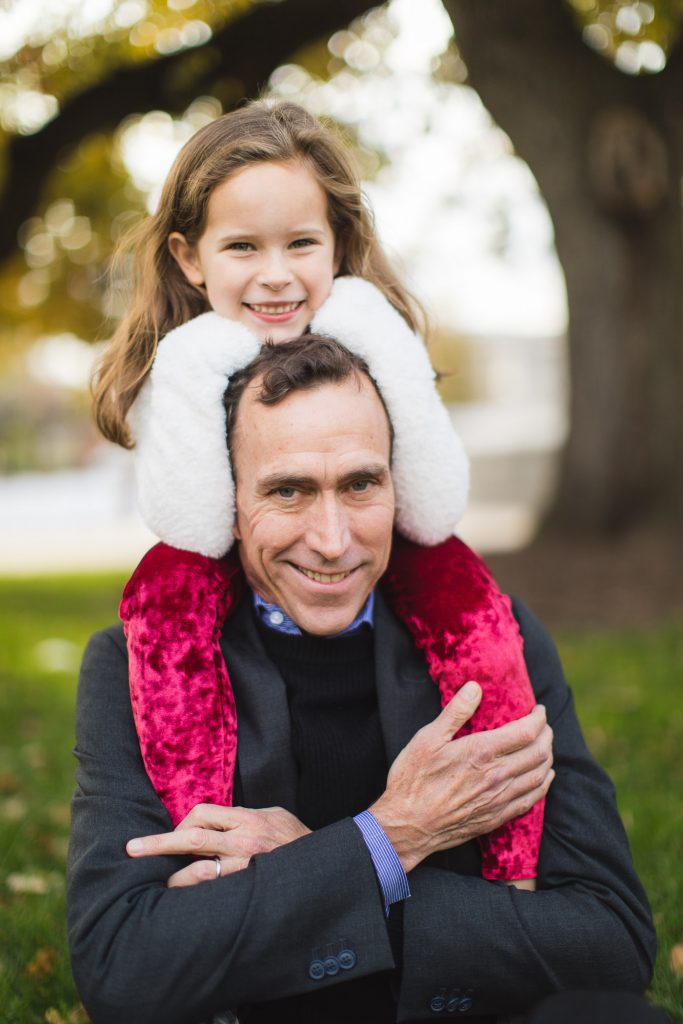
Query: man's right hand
(443, 792)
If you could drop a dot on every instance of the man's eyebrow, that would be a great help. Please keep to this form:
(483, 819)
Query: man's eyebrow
(374, 470)
(301, 481)
(275, 480)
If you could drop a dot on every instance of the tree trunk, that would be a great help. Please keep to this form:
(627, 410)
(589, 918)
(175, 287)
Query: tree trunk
(606, 151)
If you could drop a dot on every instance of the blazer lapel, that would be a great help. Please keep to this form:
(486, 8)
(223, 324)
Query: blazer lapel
(406, 696)
(266, 765)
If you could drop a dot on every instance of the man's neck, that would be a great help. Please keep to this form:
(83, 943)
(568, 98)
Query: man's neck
(275, 618)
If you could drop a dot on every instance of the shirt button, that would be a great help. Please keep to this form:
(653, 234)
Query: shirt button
(276, 618)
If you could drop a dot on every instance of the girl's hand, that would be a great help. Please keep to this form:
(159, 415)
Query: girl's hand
(230, 836)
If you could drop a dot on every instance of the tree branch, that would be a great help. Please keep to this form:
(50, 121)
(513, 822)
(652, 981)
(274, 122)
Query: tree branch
(238, 60)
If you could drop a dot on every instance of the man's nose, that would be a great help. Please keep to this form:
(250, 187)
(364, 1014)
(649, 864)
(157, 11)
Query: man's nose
(328, 533)
(274, 272)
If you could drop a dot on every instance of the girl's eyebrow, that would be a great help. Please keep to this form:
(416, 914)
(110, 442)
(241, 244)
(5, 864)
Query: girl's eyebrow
(240, 236)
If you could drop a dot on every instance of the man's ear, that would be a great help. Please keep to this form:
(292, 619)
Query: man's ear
(236, 529)
(186, 257)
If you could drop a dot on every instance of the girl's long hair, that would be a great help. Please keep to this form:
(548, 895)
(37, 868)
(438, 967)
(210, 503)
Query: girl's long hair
(162, 296)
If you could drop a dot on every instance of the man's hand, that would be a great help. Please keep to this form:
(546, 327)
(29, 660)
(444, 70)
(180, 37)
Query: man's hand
(442, 792)
(233, 834)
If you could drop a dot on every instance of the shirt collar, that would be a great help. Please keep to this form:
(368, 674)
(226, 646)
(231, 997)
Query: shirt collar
(274, 617)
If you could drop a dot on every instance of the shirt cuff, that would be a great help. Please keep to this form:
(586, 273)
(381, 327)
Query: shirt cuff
(392, 879)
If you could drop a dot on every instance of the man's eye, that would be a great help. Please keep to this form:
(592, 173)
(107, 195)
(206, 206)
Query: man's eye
(286, 492)
(359, 486)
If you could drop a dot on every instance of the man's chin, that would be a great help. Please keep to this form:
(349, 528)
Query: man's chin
(325, 621)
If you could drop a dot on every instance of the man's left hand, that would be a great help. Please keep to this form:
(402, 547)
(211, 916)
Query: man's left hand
(231, 834)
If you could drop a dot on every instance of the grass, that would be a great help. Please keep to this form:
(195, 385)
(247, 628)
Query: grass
(627, 687)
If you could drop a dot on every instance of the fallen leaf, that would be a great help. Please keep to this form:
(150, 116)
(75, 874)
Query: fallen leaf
(13, 808)
(42, 963)
(36, 884)
(9, 782)
(56, 846)
(676, 960)
(53, 1016)
(78, 1015)
(34, 754)
(60, 814)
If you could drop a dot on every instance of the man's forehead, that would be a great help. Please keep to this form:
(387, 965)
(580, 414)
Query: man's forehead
(345, 419)
(355, 397)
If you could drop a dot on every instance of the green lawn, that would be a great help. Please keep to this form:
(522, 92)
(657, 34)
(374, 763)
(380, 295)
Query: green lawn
(628, 690)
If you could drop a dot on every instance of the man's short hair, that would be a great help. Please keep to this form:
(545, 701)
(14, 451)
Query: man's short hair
(298, 365)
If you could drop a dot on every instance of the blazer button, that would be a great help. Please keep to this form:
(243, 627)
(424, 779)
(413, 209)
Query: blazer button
(465, 1004)
(453, 1004)
(347, 959)
(316, 970)
(438, 1004)
(331, 965)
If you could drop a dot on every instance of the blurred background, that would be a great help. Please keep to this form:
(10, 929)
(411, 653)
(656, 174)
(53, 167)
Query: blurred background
(523, 159)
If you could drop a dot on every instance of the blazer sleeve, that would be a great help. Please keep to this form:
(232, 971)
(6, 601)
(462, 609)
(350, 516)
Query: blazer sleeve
(487, 948)
(144, 953)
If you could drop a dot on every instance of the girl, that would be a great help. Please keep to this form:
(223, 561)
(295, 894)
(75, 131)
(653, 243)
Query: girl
(262, 221)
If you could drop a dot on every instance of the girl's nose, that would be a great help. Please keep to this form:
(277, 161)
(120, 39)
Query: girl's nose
(275, 272)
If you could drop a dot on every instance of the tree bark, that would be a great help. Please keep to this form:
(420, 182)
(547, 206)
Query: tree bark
(236, 62)
(606, 151)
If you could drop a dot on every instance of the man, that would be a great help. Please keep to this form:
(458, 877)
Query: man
(337, 891)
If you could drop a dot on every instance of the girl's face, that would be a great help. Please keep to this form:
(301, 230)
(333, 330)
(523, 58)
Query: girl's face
(267, 255)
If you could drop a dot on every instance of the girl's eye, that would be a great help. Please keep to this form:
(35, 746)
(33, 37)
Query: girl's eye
(240, 246)
(302, 243)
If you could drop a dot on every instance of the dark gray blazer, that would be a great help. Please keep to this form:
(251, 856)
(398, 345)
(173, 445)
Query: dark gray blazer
(145, 954)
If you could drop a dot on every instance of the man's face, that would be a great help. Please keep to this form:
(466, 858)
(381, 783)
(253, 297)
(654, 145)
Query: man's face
(315, 501)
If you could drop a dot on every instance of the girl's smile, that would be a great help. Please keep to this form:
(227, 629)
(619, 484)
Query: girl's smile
(267, 255)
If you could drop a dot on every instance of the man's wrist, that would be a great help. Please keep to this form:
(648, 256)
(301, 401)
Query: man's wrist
(407, 842)
(388, 868)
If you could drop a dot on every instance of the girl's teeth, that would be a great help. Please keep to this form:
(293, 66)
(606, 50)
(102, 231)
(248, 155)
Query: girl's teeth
(289, 307)
(320, 577)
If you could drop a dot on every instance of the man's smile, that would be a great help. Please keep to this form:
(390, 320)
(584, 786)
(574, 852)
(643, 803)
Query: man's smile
(323, 577)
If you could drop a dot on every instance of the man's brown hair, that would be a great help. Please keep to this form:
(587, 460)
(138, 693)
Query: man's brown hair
(298, 365)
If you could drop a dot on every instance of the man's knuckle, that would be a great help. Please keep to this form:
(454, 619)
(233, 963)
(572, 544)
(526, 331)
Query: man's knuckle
(527, 734)
(197, 837)
(526, 803)
(496, 777)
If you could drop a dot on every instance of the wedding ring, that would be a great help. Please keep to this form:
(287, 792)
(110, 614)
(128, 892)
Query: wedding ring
(218, 866)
